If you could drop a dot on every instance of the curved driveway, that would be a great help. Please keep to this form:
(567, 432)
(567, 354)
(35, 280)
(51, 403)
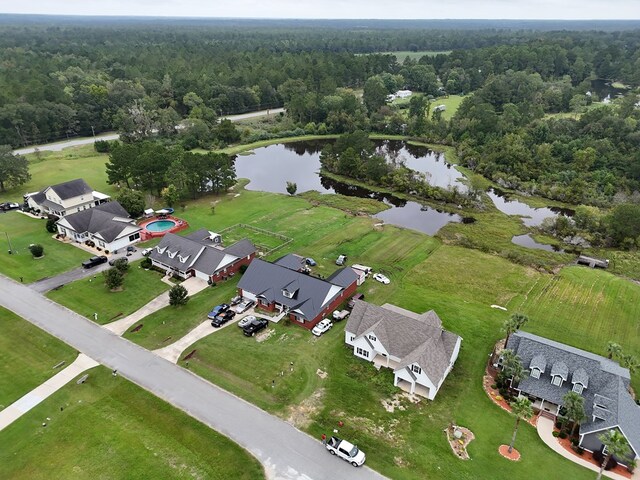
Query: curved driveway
(285, 452)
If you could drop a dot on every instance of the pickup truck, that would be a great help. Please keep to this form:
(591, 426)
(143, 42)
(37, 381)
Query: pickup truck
(346, 451)
(94, 261)
(340, 315)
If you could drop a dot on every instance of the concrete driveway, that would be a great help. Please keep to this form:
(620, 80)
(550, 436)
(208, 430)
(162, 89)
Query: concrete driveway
(285, 452)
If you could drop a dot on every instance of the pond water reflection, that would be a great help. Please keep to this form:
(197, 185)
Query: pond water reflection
(531, 217)
(528, 242)
(269, 168)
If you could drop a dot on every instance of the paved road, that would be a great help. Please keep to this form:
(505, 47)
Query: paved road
(57, 146)
(49, 283)
(285, 452)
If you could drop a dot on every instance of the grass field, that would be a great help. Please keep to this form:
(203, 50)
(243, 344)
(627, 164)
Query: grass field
(49, 168)
(110, 428)
(88, 297)
(171, 323)
(27, 357)
(22, 232)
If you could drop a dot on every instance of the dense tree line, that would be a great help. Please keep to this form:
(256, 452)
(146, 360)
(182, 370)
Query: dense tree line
(152, 167)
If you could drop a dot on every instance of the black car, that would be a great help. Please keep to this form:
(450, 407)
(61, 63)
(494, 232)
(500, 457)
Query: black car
(95, 261)
(222, 318)
(113, 261)
(255, 326)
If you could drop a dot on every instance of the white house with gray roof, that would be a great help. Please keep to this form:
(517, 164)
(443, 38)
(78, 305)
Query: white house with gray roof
(202, 255)
(107, 225)
(556, 369)
(66, 198)
(417, 348)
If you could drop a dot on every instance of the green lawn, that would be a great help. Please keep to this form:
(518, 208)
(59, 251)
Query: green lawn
(27, 357)
(49, 168)
(171, 323)
(89, 295)
(22, 232)
(110, 428)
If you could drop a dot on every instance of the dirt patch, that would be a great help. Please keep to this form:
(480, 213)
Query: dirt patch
(322, 374)
(301, 415)
(262, 336)
(458, 438)
(385, 431)
(514, 456)
(399, 402)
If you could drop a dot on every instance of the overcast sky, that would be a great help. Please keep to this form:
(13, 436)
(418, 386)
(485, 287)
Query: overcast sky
(413, 9)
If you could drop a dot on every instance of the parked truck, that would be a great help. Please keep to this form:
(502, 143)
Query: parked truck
(340, 315)
(346, 451)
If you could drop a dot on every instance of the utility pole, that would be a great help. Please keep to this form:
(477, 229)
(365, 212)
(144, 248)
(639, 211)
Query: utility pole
(9, 242)
(94, 133)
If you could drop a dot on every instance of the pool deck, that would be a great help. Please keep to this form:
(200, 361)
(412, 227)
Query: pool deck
(148, 235)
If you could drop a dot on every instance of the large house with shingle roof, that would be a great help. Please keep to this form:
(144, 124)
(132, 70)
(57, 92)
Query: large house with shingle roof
(107, 225)
(417, 348)
(66, 198)
(201, 254)
(304, 298)
(556, 369)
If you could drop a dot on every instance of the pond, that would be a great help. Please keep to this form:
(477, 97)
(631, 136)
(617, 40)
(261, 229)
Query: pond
(531, 217)
(603, 88)
(269, 168)
(528, 242)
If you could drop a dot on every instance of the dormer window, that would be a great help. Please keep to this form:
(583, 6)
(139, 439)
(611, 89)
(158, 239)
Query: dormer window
(416, 369)
(372, 337)
(287, 293)
(535, 373)
(577, 387)
(557, 381)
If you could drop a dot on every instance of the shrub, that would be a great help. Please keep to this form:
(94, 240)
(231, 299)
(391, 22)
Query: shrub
(494, 386)
(102, 146)
(113, 278)
(145, 263)
(556, 434)
(51, 225)
(243, 268)
(178, 296)
(106, 252)
(563, 435)
(36, 250)
(99, 249)
(122, 265)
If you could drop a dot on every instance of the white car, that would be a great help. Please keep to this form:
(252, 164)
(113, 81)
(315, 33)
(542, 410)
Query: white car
(381, 278)
(322, 327)
(244, 306)
(244, 321)
(146, 252)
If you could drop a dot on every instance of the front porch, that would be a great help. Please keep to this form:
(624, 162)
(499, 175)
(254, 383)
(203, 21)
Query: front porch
(546, 408)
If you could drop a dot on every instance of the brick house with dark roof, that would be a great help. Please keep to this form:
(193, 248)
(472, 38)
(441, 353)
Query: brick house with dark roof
(304, 298)
(417, 348)
(200, 254)
(554, 369)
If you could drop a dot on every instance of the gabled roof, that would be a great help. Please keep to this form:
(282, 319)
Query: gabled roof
(198, 252)
(268, 280)
(538, 362)
(108, 221)
(606, 384)
(291, 261)
(406, 335)
(70, 189)
(343, 277)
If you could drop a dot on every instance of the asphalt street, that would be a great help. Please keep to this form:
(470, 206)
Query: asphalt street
(57, 146)
(285, 452)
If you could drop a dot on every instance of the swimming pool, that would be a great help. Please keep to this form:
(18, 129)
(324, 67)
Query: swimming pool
(160, 225)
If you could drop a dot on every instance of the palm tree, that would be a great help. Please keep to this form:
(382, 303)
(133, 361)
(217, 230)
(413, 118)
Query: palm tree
(574, 406)
(615, 445)
(522, 409)
(630, 362)
(613, 350)
(513, 323)
(512, 366)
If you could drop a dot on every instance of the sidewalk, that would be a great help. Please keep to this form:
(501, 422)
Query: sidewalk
(40, 393)
(545, 430)
(119, 327)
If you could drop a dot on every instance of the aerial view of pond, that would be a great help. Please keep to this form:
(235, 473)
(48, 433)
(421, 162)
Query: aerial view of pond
(531, 217)
(528, 241)
(269, 169)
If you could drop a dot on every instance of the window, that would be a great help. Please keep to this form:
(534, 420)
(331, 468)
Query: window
(133, 237)
(557, 381)
(535, 373)
(372, 337)
(416, 369)
(577, 387)
(352, 338)
(362, 352)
